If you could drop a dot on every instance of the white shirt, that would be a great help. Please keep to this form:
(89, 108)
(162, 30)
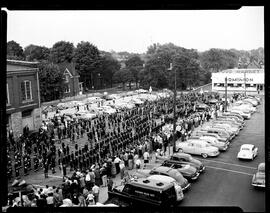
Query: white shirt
(95, 189)
(146, 156)
(117, 160)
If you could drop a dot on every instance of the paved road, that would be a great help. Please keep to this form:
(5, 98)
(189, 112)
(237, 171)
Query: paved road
(227, 180)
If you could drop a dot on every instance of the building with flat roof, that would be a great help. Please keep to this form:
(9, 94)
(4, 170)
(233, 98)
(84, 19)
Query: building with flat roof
(23, 96)
(250, 81)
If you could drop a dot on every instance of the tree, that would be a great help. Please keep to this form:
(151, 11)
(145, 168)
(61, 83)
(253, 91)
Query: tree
(108, 66)
(62, 51)
(36, 53)
(218, 59)
(123, 76)
(135, 65)
(87, 58)
(14, 51)
(51, 81)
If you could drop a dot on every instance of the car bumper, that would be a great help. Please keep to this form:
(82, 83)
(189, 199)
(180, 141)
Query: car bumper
(186, 187)
(224, 148)
(258, 185)
(195, 177)
(213, 154)
(201, 169)
(244, 157)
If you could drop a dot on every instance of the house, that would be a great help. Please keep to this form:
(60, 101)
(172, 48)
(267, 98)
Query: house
(23, 97)
(72, 86)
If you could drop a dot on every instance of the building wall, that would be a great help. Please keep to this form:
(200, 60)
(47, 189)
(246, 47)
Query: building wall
(16, 123)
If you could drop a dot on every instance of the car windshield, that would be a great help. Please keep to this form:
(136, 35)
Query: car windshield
(245, 149)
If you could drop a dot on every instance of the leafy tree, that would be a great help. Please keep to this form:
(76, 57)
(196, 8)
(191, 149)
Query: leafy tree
(108, 66)
(87, 58)
(36, 53)
(62, 51)
(135, 65)
(123, 76)
(51, 81)
(14, 51)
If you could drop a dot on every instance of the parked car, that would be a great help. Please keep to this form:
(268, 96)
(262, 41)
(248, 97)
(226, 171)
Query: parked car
(167, 179)
(213, 142)
(234, 115)
(258, 179)
(232, 123)
(189, 172)
(254, 102)
(228, 127)
(205, 133)
(147, 193)
(247, 151)
(219, 131)
(240, 112)
(197, 147)
(167, 171)
(188, 159)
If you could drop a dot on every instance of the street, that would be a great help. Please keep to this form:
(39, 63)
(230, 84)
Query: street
(227, 180)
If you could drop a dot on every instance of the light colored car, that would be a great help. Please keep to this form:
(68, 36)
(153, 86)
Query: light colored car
(220, 129)
(236, 116)
(258, 179)
(254, 102)
(214, 142)
(247, 151)
(163, 170)
(231, 123)
(197, 147)
(240, 112)
(204, 133)
(232, 130)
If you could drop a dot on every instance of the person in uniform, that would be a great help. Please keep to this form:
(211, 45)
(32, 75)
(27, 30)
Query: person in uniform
(25, 166)
(9, 167)
(36, 162)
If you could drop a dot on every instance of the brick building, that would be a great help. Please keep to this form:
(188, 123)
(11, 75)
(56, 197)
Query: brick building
(23, 97)
(72, 86)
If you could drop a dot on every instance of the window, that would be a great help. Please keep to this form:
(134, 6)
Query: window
(247, 85)
(27, 113)
(215, 84)
(239, 85)
(221, 85)
(230, 85)
(26, 90)
(8, 101)
(66, 78)
(67, 89)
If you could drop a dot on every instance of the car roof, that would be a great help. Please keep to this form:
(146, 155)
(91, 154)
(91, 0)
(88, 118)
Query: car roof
(181, 155)
(163, 169)
(155, 185)
(250, 146)
(161, 178)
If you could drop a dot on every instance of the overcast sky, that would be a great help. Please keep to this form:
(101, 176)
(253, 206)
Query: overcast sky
(134, 31)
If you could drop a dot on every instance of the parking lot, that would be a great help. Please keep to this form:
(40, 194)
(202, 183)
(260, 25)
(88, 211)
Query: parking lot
(227, 180)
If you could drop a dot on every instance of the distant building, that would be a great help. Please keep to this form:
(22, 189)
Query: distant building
(72, 86)
(239, 81)
(23, 96)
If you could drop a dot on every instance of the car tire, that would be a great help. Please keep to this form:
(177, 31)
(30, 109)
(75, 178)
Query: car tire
(180, 150)
(204, 155)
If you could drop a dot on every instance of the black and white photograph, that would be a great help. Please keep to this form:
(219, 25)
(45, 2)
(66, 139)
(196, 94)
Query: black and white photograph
(130, 108)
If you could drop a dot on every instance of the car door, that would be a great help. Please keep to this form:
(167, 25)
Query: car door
(189, 148)
(197, 149)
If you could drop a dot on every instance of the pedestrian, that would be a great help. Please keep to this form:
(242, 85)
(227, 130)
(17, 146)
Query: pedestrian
(110, 184)
(95, 190)
(146, 158)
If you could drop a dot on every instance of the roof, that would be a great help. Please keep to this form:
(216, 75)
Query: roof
(14, 65)
(162, 169)
(151, 184)
(70, 67)
(161, 178)
(242, 71)
(250, 146)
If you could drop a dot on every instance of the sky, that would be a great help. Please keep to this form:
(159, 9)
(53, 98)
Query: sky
(134, 31)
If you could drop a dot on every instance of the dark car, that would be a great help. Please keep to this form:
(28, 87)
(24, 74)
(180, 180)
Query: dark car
(184, 157)
(188, 171)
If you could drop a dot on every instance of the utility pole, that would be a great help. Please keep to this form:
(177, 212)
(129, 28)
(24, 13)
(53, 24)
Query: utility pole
(226, 94)
(174, 113)
(245, 82)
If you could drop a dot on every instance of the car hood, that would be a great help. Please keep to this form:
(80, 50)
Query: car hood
(187, 169)
(196, 162)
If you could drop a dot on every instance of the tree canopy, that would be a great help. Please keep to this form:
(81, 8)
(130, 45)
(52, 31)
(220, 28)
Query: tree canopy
(14, 51)
(36, 53)
(62, 51)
